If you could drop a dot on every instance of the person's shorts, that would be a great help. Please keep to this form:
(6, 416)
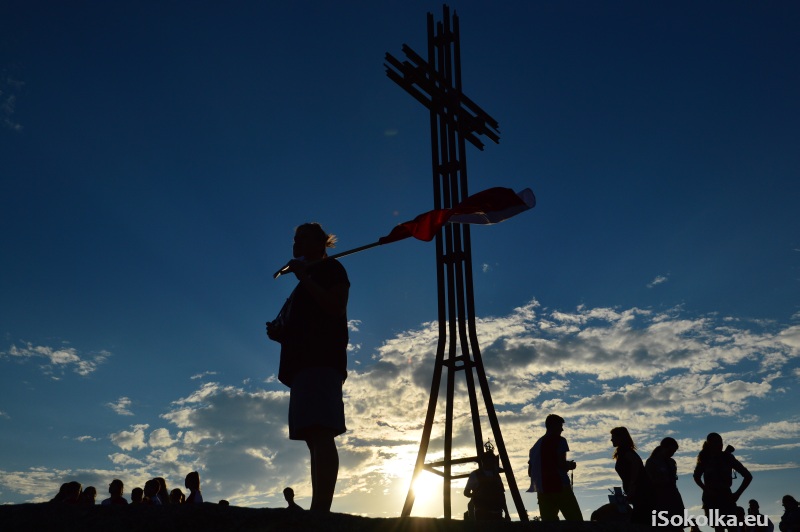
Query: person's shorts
(315, 402)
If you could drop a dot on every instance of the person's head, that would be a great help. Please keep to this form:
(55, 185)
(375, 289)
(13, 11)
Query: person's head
(789, 502)
(669, 446)
(116, 488)
(192, 481)
(176, 496)
(490, 461)
(554, 423)
(151, 488)
(621, 440)
(72, 491)
(163, 491)
(288, 494)
(713, 443)
(89, 495)
(310, 241)
(137, 494)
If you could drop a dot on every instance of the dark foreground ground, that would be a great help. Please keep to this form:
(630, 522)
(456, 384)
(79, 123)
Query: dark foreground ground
(212, 517)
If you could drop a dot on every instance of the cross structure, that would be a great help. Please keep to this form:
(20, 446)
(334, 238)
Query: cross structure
(454, 120)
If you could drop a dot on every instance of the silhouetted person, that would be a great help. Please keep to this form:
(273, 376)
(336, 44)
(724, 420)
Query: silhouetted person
(288, 494)
(115, 489)
(630, 468)
(312, 331)
(151, 489)
(137, 496)
(754, 510)
(62, 493)
(790, 521)
(89, 496)
(547, 467)
(714, 474)
(163, 492)
(69, 493)
(192, 484)
(663, 474)
(485, 490)
(176, 496)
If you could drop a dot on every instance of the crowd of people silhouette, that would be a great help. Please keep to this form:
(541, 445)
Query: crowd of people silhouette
(154, 493)
(649, 494)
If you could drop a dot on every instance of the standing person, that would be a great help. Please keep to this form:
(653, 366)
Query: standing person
(312, 331)
(714, 474)
(663, 474)
(548, 468)
(790, 520)
(631, 471)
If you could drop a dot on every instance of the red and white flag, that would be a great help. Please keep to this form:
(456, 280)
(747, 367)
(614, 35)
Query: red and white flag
(490, 206)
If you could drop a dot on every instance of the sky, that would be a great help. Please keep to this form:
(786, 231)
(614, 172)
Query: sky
(155, 158)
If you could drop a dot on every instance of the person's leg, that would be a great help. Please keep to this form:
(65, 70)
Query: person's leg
(548, 507)
(569, 505)
(324, 470)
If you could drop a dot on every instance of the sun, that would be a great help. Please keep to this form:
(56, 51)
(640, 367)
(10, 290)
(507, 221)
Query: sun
(426, 487)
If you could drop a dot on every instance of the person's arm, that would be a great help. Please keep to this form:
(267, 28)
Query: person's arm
(469, 489)
(747, 478)
(698, 475)
(563, 463)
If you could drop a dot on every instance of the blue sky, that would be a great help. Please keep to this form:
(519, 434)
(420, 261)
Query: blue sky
(155, 158)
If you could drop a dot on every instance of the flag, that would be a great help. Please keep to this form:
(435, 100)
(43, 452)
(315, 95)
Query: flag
(490, 206)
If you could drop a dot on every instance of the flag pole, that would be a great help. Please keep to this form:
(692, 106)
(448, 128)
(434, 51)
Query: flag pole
(336, 256)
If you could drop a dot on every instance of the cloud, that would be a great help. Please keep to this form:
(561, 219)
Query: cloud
(203, 375)
(128, 440)
(660, 279)
(55, 361)
(657, 372)
(8, 102)
(160, 438)
(121, 407)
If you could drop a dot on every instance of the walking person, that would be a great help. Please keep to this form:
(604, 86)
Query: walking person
(662, 472)
(548, 467)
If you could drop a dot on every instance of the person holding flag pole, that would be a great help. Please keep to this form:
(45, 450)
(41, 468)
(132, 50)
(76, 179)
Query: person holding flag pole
(312, 330)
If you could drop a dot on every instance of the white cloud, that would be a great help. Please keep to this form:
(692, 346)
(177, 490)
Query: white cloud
(160, 438)
(656, 372)
(660, 279)
(203, 375)
(56, 359)
(121, 407)
(128, 440)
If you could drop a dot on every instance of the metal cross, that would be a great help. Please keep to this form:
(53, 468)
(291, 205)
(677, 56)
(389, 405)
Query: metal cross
(454, 119)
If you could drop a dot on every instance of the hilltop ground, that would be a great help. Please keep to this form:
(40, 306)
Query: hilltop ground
(212, 517)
